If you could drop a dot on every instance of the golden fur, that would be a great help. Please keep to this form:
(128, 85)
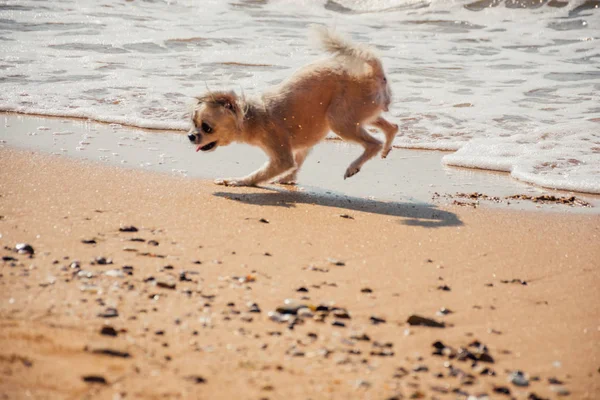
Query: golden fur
(339, 94)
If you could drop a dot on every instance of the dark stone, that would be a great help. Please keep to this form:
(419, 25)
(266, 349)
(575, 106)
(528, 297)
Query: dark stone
(346, 216)
(302, 289)
(9, 258)
(445, 288)
(340, 313)
(264, 221)
(254, 308)
(112, 352)
(88, 241)
(108, 331)
(376, 320)
(183, 277)
(555, 381)
(502, 390)
(366, 290)
(439, 345)
(533, 396)
(363, 337)
(422, 321)
(338, 323)
(129, 228)
(94, 379)
(152, 243)
(24, 248)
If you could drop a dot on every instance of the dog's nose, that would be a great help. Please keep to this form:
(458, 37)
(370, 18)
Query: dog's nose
(192, 137)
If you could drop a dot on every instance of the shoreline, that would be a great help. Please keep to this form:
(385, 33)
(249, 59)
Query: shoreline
(179, 292)
(401, 177)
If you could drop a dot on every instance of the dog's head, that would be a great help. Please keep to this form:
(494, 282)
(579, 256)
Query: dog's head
(216, 120)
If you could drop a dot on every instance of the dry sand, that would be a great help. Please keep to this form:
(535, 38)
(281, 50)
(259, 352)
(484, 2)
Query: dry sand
(184, 329)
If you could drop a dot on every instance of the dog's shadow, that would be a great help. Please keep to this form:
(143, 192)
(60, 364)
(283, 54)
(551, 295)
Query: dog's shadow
(415, 214)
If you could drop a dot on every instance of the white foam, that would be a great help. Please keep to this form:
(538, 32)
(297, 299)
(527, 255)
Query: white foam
(509, 89)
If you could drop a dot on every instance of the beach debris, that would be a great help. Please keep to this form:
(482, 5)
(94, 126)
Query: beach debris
(263, 220)
(346, 216)
(445, 288)
(518, 378)
(101, 261)
(128, 228)
(515, 280)
(415, 320)
(94, 379)
(9, 258)
(88, 241)
(546, 198)
(109, 312)
(24, 248)
(106, 351)
(338, 323)
(366, 290)
(253, 308)
(302, 289)
(152, 243)
(108, 330)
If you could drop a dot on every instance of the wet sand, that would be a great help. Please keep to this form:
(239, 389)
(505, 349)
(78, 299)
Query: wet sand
(179, 292)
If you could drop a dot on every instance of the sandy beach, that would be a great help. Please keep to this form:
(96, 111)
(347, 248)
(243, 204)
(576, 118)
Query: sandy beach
(139, 284)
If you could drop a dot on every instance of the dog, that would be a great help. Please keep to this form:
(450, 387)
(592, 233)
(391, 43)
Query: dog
(340, 94)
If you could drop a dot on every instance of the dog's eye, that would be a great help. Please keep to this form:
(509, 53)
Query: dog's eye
(206, 128)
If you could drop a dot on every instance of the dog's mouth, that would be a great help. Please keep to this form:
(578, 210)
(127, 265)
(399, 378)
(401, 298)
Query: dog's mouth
(207, 147)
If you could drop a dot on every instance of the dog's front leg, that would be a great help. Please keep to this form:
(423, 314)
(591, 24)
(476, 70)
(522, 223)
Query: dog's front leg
(273, 168)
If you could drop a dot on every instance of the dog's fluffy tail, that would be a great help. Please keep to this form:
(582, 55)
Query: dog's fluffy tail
(338, 45)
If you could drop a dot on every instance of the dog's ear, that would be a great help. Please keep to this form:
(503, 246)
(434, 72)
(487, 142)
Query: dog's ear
(228, 100)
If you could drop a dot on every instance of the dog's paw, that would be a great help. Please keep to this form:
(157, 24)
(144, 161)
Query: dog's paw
(231, 182)
(385, 152)
(351, 171)
(285, 181)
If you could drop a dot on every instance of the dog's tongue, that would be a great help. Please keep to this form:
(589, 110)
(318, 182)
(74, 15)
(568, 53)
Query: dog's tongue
(198, 148)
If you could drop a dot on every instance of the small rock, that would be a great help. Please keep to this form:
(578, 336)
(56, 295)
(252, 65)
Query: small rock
(445, 288)
(196, 379)
(183, 277)
(502, 390)
(102, 261)
(88, 241)
(341, 313)
(533, 396)
(444, 311)
(108, 331)
(114, 273)
(366, 290)
(110, 312)
(253, 308)
(376, 320)
(24, 248)
(166, 284)
(363, 337)
(337, 262)
(9, 258)
(302, 289)
(554, 381)
(420, 368)
(418, 320)
(152, 243)
(129, 228)
(111, 352)
(338, 323)
(346, 216)
(94, 379)
(518, 378)
(263, 220)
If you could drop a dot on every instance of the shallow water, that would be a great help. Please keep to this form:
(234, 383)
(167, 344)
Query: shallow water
(406, 176)
(513, 87)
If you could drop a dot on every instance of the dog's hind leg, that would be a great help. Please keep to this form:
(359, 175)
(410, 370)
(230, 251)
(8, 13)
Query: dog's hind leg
(290, 177)
(389, 130)
(355, 133)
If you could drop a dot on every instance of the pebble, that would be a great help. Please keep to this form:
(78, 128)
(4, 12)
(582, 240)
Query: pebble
(154, 243)
(263, 220)
(420, 368)
(518, 378)
(502, 390)
(346, 216)
(445, 288)
(111, 352)
(110, 312)
(366, 290)
(114, 273)
(88, 241)
(129, 228)
(94, 379)
(338, 323)
(302, 289)
(253, 308)
(376, 320)
(24, 248)
(419, 320)
(108, 331)
(196, 379)
(166, 284)
(341, 313)
(337, 262)
(560, 390)
(444, 311)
